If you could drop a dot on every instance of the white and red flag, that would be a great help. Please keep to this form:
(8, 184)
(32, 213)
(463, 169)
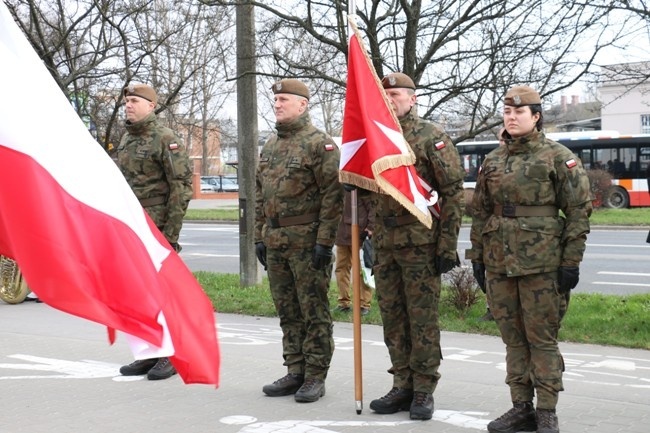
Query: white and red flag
(374, 155)
(83, 242)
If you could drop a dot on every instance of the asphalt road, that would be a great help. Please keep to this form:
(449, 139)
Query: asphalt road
(615, 261)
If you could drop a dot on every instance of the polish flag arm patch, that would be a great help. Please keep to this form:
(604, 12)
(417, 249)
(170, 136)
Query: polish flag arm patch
(571, 163)
(440, 145)
(329, 146)
(173, 146)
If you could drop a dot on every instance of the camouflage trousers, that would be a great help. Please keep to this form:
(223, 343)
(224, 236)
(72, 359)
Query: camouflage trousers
(408, 293)
(300, 296)
(528, 310)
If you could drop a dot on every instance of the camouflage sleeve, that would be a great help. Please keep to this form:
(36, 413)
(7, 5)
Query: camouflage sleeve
(178, 171)
(366, 201)
(449, 175)
(262, 161)
(326, 174)
(573, 195)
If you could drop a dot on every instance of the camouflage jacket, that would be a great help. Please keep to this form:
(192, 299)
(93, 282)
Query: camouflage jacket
(155, 163)
(530, 171)
(438, 163)
(297, 175)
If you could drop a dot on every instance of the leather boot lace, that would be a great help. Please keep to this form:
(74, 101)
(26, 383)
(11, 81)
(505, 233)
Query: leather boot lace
(546, 420)
(420, 398)
(309, 383)
(287, 378)
(391, 394)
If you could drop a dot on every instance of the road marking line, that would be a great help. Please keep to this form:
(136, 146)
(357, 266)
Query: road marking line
(635, 274)
(620, 284)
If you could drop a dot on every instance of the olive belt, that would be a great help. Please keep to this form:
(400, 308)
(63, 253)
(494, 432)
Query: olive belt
(291, 220)
(513, 211)
(396, 221)
(153, 201)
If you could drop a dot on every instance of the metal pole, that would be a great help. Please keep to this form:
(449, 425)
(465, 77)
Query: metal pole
(356, 286)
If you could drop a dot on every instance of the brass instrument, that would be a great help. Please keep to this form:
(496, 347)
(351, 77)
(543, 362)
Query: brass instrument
(13, 288)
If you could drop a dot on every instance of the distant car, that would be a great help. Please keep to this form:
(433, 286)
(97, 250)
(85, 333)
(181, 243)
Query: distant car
(229, 185)
(206, 187)
(221, 183)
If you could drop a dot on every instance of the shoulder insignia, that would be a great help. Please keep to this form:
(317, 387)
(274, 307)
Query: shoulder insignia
(173, 146)
(571, 163)
(440, 145)
(329, 146)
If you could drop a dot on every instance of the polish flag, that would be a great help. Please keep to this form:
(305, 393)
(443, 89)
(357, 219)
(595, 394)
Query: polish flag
(374, 155)
(83, 242)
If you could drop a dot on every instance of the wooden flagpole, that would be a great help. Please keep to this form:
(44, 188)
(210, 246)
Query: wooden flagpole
(356, 274)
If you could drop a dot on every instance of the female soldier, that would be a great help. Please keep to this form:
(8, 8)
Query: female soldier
(527, 255)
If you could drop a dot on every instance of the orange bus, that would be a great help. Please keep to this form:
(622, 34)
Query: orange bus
(625, 157)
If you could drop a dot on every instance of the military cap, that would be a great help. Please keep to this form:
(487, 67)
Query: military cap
(522, 95)
(397, 80)
(292, 86)
(141, 90)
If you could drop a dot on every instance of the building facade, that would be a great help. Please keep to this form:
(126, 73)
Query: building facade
(625, 96)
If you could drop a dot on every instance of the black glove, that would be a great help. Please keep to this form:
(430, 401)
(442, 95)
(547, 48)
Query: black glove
(567, 278)
(260, 252)
(176, 246)
(444, 264)
(362, 236)
(349, 187)
(321, 257)
(479, 274)
(367, 255)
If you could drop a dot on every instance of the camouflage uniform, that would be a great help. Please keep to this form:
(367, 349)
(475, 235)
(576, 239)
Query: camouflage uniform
(407, 283)
(156, 165)
(297, 177)
(522, 254)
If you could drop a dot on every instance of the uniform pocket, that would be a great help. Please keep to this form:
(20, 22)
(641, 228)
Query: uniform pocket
(537, 183)
(538, 172)
(493, 244)
(539, 242)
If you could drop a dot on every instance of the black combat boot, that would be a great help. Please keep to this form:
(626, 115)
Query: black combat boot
(162, 370)
(422, 405)
(139, 367)
(397, 399)
(520, 418)
(286, 385)
(547, 421)
(310, 391)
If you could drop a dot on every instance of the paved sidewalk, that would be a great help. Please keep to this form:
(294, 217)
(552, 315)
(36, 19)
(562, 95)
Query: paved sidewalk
(59, 375)
(215, 203)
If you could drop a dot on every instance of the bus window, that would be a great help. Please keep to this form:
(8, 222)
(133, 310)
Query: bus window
(628, 162)
(471, 162)
(585, 157)
(627, 158)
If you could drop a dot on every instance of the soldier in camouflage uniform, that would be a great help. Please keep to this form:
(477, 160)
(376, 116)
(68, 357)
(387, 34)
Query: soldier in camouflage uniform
(410, 258)
(156, 166)
(526, 255)
(297, 211)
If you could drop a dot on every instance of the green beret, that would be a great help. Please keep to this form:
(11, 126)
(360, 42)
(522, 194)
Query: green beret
(522, 95)
(292, 86)
(141, 90)
(397, 80)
